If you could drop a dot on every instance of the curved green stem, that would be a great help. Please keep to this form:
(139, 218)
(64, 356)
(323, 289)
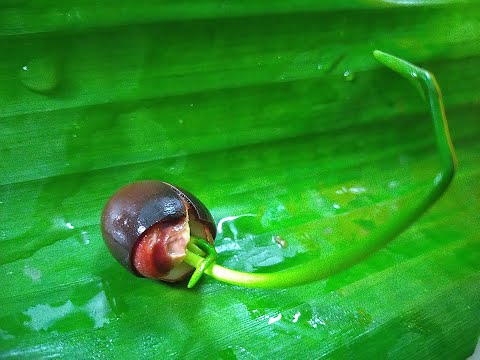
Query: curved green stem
(318, 269)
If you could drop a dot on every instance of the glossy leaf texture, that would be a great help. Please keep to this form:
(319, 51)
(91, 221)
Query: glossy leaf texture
(281, 121)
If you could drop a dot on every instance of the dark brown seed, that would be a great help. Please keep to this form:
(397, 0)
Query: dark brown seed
(152, 213)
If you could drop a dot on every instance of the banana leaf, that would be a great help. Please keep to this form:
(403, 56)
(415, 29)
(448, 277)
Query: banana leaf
(277, 116)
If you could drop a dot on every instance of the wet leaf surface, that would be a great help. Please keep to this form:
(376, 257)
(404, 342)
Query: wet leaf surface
(282, 122)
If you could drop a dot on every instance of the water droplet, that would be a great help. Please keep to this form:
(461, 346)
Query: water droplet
(357, 190)
(296, 317)
(40, 75)
(352, 190)
(43, 316)
(275, 213)
(98, 310)
(348, 75)
(336, 206)
(319, 66)
(69, 226)
(315, 321)
(438, 178)
(231, 246)
(274, 319)
(229, 220)
(32, 273)
(85, 237)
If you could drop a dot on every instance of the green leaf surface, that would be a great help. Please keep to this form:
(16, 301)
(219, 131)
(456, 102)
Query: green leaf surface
(281, 121)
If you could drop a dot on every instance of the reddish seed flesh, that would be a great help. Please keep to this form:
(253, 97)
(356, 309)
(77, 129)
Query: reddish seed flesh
(162, 248)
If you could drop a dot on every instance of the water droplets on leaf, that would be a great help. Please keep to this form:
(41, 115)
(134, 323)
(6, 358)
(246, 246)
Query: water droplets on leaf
(33, 273)
(296, 316)
(275, 213)
(45, 316)
(353, 190)
(274, 319)
(226, 226)
(98, 309)
(315, 321)
(348, 75)
(85, 237)
(41, 75)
